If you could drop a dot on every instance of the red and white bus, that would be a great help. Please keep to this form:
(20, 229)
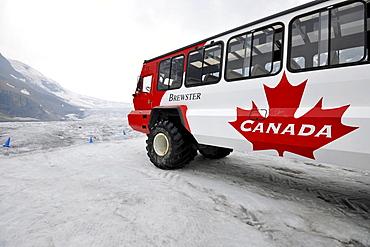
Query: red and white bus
(295, 84)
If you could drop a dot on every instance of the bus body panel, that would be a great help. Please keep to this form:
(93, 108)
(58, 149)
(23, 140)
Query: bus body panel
(209, 116)
(328, 120)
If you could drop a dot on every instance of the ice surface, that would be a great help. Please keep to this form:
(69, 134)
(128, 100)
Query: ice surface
(57, 189)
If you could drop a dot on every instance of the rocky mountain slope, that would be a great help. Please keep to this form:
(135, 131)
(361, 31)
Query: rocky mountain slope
(26, 94)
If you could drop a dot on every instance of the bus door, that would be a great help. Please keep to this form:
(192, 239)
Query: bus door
(142, 96)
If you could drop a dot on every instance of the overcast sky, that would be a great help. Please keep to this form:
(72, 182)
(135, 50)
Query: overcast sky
(97, 47)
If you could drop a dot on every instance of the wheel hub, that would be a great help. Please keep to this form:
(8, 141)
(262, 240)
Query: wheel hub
(161, 144)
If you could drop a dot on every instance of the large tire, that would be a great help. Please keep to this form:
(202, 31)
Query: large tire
(170, 147)
(213, 152)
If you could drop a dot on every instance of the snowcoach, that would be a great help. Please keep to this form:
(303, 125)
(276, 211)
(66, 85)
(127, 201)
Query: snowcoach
(295, 84)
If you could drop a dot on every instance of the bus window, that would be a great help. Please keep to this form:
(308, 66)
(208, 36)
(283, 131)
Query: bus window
(311, 40)
(194, 69)
(238, 57)
(262, 51)
(177, 71)
(212, 64)
(147, 83)
(204, 66)
(170, 73)
(144, 84)
(255, 53)
(164, 74)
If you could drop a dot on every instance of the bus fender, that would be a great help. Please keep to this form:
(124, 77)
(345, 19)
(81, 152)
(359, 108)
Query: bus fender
(176, 114)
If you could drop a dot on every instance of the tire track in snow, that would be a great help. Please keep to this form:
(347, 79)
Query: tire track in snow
(179, 182)
(349, 197)
(293, 182)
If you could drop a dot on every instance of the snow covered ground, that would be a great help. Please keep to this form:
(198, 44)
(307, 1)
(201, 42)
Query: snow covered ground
(57, 189)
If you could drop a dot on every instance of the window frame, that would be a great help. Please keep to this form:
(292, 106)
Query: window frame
(365, 58)
(170, 72)
(271, 73)
(203, 52)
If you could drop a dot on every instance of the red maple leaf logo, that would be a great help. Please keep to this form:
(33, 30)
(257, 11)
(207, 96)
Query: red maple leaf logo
(282, 131)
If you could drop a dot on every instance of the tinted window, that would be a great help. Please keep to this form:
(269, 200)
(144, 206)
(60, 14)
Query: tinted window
(255, 53)
(170, 73)
(204, 66)
(330, 37)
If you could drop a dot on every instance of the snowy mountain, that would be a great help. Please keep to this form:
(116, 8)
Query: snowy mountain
(26, 94)
(36, 78)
